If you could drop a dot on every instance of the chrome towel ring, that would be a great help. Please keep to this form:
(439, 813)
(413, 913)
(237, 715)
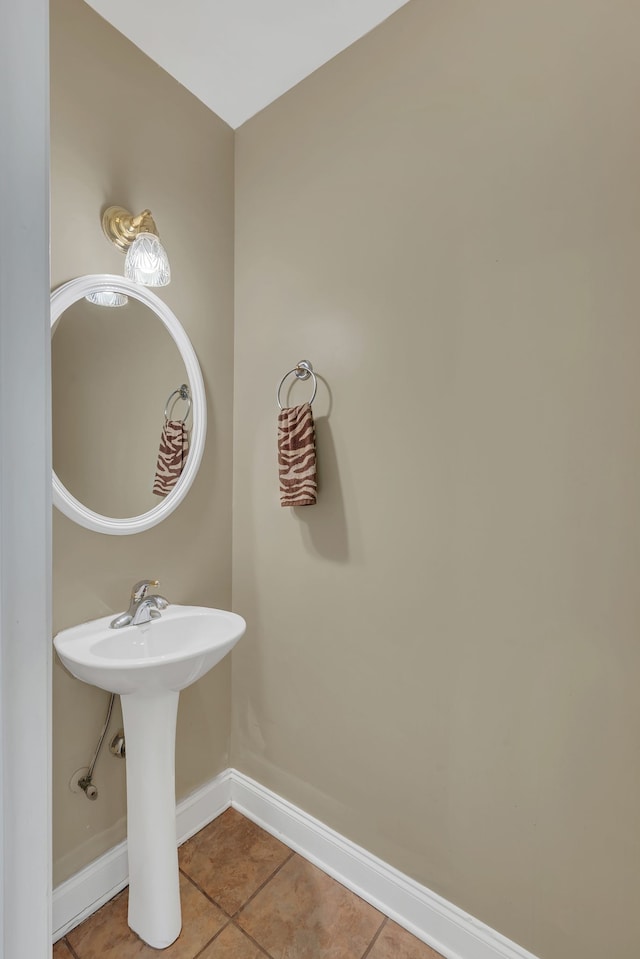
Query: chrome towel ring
(303, 370)
(182, 393)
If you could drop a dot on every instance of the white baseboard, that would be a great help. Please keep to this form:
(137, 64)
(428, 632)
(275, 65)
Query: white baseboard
(443, 926)
(79, 897)
(446, 928)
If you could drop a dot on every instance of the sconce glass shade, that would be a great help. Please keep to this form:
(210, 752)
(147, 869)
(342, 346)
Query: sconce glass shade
(107, 298)
(147, 261)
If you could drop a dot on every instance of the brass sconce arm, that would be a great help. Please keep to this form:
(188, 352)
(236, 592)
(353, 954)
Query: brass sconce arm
(121, 227)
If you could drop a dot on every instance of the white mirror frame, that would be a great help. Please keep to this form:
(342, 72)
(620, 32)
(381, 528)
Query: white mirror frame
(64, 297)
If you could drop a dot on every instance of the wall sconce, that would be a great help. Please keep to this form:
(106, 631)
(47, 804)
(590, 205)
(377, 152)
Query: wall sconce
(137, 236)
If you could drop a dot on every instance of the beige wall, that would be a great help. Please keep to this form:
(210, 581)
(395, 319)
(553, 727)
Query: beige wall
(124, 132)
(443, 655)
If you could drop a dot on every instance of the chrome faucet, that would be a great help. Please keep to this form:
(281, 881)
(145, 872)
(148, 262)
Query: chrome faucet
(142, 608)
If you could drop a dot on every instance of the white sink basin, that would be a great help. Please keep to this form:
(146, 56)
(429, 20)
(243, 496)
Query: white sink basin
(168, 653)
(149, 665)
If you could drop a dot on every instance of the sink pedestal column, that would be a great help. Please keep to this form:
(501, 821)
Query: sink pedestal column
(154, 889)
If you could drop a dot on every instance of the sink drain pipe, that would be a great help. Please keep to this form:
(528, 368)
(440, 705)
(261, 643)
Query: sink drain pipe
(86, 781)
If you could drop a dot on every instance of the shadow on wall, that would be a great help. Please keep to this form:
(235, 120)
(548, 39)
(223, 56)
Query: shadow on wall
(324, 526)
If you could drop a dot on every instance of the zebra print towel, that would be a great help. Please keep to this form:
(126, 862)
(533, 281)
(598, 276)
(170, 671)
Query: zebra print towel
(297, 456)
(172, 456)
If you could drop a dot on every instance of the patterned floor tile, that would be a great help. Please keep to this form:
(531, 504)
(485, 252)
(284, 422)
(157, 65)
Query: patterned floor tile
(231, 858)
(232, 944)
(396, 943)
(61, 950)
(304, 914)
(106, 935)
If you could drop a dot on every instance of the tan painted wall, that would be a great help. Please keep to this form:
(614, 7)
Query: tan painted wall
(124, 132)
(443, 655)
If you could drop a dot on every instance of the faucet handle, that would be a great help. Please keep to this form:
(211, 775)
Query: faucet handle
(139, 591)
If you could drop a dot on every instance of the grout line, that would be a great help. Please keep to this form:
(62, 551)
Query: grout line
(213, 939)
(244, 904)
(250, 937)
(70, 947)
(262, 885)
(204, 892)
(374, 940)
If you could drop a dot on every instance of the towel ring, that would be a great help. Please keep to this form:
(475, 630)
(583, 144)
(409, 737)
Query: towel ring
(303, 371)
(182, 393)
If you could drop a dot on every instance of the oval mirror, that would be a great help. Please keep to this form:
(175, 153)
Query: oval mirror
(115, 373)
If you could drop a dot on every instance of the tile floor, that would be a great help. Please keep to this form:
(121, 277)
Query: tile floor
(245, 895)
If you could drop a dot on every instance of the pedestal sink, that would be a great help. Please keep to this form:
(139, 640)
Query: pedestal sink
(148, 665)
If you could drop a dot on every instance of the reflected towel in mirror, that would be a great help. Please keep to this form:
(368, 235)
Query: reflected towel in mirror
(172, 456)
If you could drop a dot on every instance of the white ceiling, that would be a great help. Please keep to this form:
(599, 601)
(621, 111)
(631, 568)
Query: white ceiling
(237, 56)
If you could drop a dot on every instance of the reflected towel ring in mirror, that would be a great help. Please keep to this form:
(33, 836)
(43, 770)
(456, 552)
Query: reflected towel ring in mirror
(303, 370)
(182, 393)
(63, 298)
